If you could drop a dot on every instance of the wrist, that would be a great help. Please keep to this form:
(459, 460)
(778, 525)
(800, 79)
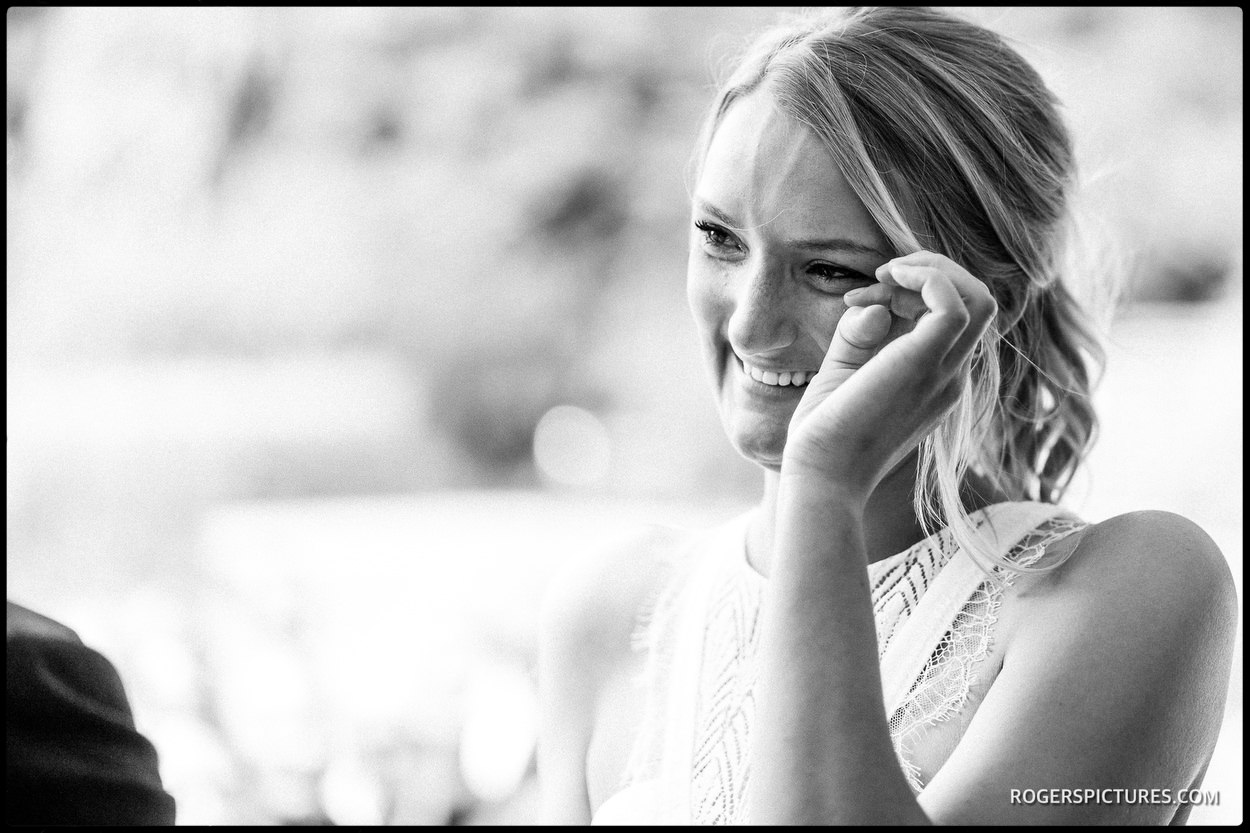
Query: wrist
(806, 490)
(804, 485)
(819, 527)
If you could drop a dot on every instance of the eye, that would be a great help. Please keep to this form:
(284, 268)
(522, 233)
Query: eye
(716, 238)
(838, 279)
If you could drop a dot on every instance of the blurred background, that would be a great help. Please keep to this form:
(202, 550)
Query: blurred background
(331, 333)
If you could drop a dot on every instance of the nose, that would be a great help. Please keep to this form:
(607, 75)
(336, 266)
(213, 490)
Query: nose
(763, 318)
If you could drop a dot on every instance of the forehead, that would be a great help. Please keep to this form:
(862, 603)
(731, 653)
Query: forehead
(765, 168)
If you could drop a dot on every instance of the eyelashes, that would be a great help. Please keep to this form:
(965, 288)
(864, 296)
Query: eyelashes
(715, 236)
(839, 275)
(721, 243)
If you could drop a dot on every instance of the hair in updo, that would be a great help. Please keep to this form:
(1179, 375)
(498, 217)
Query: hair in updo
(955, 145)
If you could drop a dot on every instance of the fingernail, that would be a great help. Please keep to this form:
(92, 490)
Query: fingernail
(853, 292)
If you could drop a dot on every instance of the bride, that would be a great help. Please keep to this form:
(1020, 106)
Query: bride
(908, 627)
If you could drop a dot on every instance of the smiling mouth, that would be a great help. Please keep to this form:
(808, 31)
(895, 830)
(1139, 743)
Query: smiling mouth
(777, 379)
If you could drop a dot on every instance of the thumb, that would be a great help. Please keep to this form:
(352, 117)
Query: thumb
(860, 332)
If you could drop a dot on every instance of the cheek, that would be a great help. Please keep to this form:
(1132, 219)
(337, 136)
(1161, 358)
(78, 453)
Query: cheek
(706, 293)
(821, 321)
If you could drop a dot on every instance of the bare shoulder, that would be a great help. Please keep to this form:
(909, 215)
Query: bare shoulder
(1114, 674)
(586, 624)
(1150, 581)
(592, 603)
(1147, 555)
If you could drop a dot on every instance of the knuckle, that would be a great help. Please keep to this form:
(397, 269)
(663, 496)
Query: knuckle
(857, 343)
(878, 292)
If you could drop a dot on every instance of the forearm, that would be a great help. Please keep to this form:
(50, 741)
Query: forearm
(821, 748)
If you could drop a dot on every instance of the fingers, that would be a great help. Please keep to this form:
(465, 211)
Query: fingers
(961, 305)
(902, 302)
(975, 294)
(860, 332)
(938, 333)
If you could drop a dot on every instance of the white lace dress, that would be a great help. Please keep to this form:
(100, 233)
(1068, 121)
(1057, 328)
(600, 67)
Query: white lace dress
(935, 614)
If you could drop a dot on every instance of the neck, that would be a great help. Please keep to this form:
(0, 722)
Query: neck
(890, 522)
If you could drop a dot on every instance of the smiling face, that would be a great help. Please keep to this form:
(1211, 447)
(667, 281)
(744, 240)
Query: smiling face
(777, 237)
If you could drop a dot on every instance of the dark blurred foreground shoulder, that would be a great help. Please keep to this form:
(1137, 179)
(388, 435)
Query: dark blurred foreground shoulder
(73, 754)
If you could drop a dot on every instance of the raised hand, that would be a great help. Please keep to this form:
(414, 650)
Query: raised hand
(898, 361)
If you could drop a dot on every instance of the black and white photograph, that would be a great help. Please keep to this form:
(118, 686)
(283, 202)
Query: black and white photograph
(605, 415)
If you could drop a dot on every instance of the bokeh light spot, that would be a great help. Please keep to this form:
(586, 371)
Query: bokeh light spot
(499, 733)
(571, 446)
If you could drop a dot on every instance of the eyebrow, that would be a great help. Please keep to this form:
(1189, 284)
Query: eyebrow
(837, 244)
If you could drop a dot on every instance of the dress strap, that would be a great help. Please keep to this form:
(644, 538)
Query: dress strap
(909, 651)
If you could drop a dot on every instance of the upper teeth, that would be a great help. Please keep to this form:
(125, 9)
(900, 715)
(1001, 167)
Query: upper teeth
(797, 378)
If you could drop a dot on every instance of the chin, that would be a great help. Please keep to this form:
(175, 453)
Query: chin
(761, 447)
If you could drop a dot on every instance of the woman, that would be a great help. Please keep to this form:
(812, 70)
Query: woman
(907, 628)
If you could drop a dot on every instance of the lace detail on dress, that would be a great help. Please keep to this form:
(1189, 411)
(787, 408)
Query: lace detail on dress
(898, 583)
(653, 636)
(943, 686)
(721, 764)
(728, 641)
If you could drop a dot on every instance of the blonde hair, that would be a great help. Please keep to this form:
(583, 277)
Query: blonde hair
(954, 144)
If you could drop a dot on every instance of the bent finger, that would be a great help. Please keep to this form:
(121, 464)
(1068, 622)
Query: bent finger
(938, 331)
(976, 295)
(902, 302)
(975, 298)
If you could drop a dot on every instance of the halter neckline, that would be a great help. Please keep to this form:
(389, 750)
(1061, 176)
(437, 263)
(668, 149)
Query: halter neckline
(737, 530)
